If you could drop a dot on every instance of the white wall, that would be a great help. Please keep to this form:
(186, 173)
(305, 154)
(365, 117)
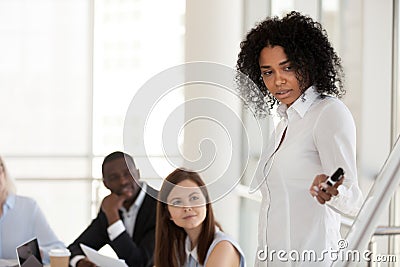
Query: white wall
(213, 33)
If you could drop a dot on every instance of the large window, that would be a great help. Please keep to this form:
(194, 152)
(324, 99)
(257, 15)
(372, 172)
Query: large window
(133, 41)
(68, 71)
(45, 106)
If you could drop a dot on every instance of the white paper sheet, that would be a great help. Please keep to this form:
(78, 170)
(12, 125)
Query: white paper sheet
(101, 260)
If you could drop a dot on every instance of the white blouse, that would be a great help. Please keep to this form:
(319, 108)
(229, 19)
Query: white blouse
(320, 137)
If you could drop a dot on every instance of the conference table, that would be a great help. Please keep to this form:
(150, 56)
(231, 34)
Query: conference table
(12, 263)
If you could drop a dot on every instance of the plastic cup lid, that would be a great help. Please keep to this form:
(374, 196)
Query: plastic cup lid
(59, 252)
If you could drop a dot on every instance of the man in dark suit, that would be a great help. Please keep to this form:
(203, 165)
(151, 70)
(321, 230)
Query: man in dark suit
(126, 220)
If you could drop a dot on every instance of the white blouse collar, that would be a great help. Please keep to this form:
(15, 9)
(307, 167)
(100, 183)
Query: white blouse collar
(301, 105)
(189, 251)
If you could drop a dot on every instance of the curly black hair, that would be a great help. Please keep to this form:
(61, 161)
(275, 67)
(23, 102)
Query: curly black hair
(307, 47)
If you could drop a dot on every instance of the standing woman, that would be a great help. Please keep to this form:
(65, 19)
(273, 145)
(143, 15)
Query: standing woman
(294, 66)
(186, 231)
(21, 219)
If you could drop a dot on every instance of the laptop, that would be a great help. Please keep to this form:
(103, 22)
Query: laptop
(28, 254)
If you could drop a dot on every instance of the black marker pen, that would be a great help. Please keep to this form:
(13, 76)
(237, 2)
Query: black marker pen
(335, 177)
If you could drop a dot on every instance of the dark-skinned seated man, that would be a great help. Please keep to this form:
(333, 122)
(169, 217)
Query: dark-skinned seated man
(126, 220)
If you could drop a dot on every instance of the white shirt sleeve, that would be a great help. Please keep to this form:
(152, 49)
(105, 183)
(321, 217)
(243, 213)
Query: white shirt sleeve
(75, 260)
(115, 229)
(46, 237)
(335, 138)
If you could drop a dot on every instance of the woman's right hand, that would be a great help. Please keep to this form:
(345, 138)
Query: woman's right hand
(323, 196)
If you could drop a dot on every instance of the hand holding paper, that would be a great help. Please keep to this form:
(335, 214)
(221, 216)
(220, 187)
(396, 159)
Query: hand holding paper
(101, 260)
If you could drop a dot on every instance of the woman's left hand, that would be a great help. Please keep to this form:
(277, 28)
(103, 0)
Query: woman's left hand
(318, 184)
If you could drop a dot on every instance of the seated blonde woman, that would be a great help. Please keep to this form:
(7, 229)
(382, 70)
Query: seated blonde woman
(186, 231)
(21, 220)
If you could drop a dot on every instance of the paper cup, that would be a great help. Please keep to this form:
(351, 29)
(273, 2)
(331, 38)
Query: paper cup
(59, 257)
